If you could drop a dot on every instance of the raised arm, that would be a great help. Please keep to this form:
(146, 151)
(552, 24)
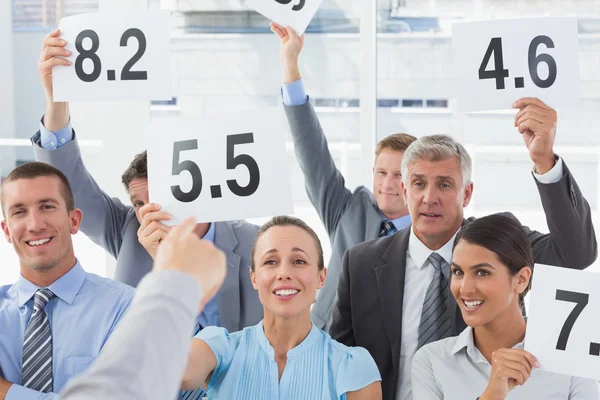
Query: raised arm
(201, 364)
(572, 240)
(325, 184)
(55, 144)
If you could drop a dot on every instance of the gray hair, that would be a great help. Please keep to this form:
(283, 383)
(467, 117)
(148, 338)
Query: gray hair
(437, 148)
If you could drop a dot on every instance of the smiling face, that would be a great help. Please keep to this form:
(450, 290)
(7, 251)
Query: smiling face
(387, 183)
(483, 286)
(38, 224)
(435, 197)
(286, 272)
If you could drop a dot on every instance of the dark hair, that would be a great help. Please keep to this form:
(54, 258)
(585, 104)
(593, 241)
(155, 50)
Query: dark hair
(284, 220)
(506, 238)
(138, 169)
(36, 169)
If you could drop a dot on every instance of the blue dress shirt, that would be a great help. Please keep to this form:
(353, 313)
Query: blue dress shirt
(399, 223)
(318, 368)
(82, 316)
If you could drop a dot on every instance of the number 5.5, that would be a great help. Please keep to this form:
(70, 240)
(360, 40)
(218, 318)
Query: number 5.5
(581, 299)
(190, 166)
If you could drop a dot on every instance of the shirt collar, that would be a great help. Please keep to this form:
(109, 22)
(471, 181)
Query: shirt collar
(401, 222)
(66, 287)
(301, 348)
(465, 341)
(420, 253)
(210, 234)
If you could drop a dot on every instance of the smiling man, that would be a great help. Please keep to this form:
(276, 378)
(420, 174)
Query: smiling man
(393, 292)
(56, 318)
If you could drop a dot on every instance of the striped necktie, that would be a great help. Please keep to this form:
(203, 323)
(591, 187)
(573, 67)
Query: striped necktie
(386, 227)
(37, 346)
(435, 323)
(196, 394)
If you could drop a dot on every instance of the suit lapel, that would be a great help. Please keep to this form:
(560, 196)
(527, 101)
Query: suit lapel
(229, 294)
(390, 285)
(373, 225)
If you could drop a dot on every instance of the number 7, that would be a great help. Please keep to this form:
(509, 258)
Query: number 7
(582, 300)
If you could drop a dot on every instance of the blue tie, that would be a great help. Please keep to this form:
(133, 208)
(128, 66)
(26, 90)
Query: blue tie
(196, 394)
(386, 228)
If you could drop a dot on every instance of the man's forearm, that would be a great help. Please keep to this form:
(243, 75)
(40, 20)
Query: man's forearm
(57, 115)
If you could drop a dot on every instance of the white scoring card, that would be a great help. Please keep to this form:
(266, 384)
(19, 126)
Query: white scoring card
(222, 167)
(498, 62)
(295, 13)
(563, 328)
(115, 57)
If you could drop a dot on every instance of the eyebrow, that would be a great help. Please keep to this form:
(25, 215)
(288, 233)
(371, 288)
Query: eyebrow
(42, 201)
(294, 249)
(439, 178)
(475, 266)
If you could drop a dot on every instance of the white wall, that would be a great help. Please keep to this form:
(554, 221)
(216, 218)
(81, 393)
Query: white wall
(7, 122)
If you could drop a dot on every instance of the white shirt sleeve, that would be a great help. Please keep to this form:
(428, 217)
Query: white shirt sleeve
(552, 176)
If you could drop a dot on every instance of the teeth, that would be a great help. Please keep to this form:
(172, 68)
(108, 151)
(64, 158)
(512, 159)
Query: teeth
(38, 242)
(286, 292)
(473, 304)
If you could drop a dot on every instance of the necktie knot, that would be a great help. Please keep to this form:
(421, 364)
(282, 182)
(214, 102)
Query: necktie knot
(41, 298)
(437, 261)
(386, 227)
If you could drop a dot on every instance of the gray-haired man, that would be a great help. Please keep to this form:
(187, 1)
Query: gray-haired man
(385, 283)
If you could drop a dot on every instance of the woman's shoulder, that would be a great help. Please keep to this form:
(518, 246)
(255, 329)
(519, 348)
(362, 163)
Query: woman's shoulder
(347, 356)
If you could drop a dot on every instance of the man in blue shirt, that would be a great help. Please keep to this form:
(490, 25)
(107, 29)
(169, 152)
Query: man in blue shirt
(56, 318)
(350, 217)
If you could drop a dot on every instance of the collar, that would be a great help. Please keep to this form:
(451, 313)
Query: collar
(465, 341)
(300, 349)
(66, 287)
(210, 233)
(420, 253)
(399, 223)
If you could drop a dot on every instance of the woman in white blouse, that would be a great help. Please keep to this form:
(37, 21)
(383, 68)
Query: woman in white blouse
(491, 272)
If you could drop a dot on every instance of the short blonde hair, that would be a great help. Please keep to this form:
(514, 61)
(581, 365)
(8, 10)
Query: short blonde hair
(397, 142)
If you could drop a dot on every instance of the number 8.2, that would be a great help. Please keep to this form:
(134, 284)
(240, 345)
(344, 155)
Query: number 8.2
(126, 74)
(232, 163)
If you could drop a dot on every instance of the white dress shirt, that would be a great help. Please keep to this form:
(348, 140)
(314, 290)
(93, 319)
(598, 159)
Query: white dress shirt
(454, 368)
(418, 275)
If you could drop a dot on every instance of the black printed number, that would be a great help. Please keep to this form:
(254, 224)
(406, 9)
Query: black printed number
(127, 74)
(191, 167)
(297, 7)
(242, 159)
(498, 73)
(535, 60)
(581, 300)
(88, 54)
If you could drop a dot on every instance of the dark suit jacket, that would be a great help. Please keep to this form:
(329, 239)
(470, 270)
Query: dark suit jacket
(368, 312)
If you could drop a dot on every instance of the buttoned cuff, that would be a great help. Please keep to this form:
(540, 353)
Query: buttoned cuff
(54, 140)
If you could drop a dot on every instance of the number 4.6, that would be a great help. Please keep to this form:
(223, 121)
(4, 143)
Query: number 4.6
(499, 73)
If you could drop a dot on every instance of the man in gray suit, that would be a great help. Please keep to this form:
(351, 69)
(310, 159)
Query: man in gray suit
(350, 217)
(393, 294)
(116, 226)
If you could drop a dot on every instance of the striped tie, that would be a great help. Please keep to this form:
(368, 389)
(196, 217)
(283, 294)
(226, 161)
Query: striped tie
(386, 227)
(37, 347)
(196, 394)
(435, 324)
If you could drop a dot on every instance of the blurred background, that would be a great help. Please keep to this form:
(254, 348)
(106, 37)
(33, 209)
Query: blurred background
(370, 69)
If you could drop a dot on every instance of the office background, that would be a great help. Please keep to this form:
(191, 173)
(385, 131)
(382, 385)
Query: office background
(372, 68)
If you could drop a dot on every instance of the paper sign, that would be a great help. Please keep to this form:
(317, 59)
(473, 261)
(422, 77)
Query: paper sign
(115, 57)
(498, 62)
(294, 13)
(220, 168)
(563, 328)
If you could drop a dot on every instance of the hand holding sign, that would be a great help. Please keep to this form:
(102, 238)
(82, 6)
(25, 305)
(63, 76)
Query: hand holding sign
(563, 329)
(498, 61)
(114, 57)
(294, 13)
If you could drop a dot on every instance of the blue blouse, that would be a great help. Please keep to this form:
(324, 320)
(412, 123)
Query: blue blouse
(318, 368)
